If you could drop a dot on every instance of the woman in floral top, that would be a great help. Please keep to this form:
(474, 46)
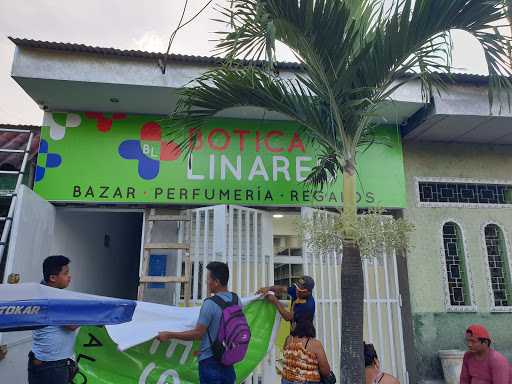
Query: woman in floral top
(305, 360)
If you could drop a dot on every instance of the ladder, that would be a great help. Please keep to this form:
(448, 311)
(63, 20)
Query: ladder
(12, 279)
(148, 246)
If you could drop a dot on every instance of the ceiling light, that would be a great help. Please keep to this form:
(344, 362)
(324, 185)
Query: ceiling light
(278, 216)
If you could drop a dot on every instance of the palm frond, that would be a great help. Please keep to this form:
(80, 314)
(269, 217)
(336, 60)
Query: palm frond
(225, 88)
(353, 54)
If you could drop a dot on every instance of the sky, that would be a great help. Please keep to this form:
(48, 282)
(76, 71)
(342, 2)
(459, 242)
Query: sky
(129, 24)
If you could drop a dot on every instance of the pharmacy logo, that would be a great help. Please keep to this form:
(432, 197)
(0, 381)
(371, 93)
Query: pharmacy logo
(150, 150)
(104, 120)
(59, 122)
(46, 160)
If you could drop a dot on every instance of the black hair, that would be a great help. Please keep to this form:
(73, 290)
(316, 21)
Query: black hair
(52, 265)
(369, 354)
(481, 339)
(304, 327)
(219, 271)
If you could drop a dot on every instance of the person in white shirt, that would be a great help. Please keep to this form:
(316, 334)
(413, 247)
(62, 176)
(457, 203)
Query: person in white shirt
(53, 345)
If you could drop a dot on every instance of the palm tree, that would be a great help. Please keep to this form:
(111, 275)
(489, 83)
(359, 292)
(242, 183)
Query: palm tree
(353, 55)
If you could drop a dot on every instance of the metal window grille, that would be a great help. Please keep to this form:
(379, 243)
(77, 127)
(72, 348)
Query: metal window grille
(455, 269)
(499, 274)
(464, 193)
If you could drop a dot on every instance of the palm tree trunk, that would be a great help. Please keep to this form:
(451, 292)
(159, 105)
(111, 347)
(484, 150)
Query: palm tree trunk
(352, 291)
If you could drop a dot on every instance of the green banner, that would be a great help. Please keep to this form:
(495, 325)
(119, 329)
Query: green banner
(117, 158)
(172, 362)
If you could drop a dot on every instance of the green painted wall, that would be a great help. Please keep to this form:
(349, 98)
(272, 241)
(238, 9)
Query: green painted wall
(434, 328)
(8, 182)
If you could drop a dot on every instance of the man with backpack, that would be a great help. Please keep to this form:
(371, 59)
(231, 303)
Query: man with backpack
(221, 327)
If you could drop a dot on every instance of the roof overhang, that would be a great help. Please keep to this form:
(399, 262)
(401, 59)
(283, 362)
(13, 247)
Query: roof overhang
(461, 114)
(70, 77)
(67, 77)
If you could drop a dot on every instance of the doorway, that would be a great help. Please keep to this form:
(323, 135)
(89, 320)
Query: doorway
(288, 256)
(104, 248)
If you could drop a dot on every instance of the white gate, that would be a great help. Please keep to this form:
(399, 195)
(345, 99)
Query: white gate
(383, 318)
(383, 321)
(242, 238)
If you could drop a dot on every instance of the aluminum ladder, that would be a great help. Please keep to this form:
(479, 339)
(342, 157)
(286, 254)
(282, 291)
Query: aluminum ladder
(13, 279)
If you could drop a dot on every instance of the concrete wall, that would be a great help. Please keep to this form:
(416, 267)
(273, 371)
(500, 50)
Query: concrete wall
(95, 268)
(434, 328)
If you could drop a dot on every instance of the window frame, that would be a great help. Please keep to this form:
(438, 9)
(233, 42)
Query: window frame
(447, 302)
(506, 240)
(422, 204)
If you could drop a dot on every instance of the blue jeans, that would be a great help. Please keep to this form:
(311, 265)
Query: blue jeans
(283, 381)
(212, 372)
(49, 372)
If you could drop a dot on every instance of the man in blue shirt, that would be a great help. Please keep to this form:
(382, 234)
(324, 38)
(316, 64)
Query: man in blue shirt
(210, 371)
(301, 294)
(54, 345)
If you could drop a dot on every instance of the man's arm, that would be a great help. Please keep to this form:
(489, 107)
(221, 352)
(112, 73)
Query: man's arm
(274, 288)
(288, 316)
(194, 334)
(71, 327)
(464, 374)
(500, 369)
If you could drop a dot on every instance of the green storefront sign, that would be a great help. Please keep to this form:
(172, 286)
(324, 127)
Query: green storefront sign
(119, 158)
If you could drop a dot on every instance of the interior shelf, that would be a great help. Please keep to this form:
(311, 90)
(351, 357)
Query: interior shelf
(286, 275)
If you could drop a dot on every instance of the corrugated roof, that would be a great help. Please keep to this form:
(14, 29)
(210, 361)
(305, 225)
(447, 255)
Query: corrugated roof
(469, 78)
(16, 140)
(69, 47)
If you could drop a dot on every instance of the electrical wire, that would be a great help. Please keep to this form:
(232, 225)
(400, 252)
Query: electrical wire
(173, 35)
(1, 110)
(197, 14)
(176, 30)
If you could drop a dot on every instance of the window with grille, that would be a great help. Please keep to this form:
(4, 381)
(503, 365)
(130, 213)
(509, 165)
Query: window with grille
(499, 268)
(456, 270)
(463, 192)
